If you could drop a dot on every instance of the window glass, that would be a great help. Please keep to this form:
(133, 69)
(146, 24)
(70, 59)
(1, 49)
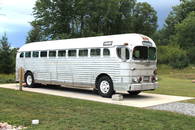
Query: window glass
(22, 55)
(95, 52)
(35, 54)
(52, 53)
(106, 52)
(152, 53)
(72, 52)
(83, 52)
(123, 53)
(43, 53)
(28, 54)
(62, 53)
(140, 53)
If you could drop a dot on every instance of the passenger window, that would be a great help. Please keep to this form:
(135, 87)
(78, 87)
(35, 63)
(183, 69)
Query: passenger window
(95, 52)
(28, 54)
(43, 53)
(72, 52)
(123, 53)
(35, 54)
(52, 53)
(62, 53)
(83, 52)
(22, 55)
(106, 52)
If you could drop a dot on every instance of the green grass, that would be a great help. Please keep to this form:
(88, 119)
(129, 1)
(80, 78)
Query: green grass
(7, 78)
(176, 82)
(186, 73)
(59, 113)
(175, 86)
(190, 101)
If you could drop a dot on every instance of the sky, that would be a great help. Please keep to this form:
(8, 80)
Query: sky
(16, 15)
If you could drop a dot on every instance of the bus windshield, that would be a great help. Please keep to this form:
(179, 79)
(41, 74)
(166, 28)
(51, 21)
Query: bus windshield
(144, 53)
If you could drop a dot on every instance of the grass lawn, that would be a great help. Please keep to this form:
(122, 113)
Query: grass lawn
(175, 86)
(55, 113)
(171, 81)
(176, 82)
(190, 101)
(7, 78)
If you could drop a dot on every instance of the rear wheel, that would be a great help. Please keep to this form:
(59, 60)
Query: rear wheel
(134, 92)
(105, 86)
(29, 80)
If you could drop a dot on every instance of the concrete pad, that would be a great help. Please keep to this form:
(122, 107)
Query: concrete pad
(142, 100)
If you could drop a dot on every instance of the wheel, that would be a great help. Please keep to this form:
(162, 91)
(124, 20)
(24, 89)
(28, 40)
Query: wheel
(105, 86)
(29, 80)
(134, 92)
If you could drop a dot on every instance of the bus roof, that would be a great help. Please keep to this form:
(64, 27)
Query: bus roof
(88, 42)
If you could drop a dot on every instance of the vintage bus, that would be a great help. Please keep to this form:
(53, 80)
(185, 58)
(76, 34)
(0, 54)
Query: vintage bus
(108, 64)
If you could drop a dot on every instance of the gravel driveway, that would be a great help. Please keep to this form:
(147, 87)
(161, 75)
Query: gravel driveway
(184, 108)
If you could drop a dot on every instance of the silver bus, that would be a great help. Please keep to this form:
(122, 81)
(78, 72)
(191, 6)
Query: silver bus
(108, 64)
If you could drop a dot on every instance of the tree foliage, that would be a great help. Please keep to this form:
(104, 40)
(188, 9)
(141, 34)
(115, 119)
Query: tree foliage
(80, 18)
(7, 56)
(35, 34)
(173, 55)
(179, 30)
(176, 16)
(185, 32)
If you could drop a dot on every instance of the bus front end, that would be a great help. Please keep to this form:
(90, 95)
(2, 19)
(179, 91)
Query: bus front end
(138, 67)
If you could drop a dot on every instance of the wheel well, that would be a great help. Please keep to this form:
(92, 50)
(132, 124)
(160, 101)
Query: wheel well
(99, 76)
(28, 71)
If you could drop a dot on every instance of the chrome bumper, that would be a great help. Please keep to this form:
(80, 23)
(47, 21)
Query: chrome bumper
(143, 86)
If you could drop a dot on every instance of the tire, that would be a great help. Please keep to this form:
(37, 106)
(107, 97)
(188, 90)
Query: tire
(29, 80)
(105, 87)
(134, 92)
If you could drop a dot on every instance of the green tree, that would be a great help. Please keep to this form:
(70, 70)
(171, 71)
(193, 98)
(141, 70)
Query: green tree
(173, 55)
(80, 18)
(35, 34)
(7, 56)
(145, 19)
(176, 16)
(185, 32)
(185, 35)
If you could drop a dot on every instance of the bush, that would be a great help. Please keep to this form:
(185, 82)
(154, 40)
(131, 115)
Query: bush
(7, 78)
(191, 55)
(163, 56)
(173, 55)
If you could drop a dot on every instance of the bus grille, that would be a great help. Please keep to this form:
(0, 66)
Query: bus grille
(146, 79)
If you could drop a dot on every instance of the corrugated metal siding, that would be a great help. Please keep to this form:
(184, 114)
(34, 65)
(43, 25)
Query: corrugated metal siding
(72, 70)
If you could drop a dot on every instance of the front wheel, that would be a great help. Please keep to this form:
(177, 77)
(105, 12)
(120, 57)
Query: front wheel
(29, 80)
(105, 87)
(134, 92)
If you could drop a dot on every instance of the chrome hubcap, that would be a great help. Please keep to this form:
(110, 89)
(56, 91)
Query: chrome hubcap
(104, 87)
(29, 79)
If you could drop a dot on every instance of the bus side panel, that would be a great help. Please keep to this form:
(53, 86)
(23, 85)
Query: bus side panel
(82, 72)
(64, 71)
(78, 72)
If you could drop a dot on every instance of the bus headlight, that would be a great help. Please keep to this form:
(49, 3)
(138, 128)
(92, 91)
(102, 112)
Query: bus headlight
(155, 72)
(154, 79)
(137, 79)
(134, 79)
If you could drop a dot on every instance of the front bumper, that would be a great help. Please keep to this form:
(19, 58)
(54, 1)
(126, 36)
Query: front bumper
(143, 86)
